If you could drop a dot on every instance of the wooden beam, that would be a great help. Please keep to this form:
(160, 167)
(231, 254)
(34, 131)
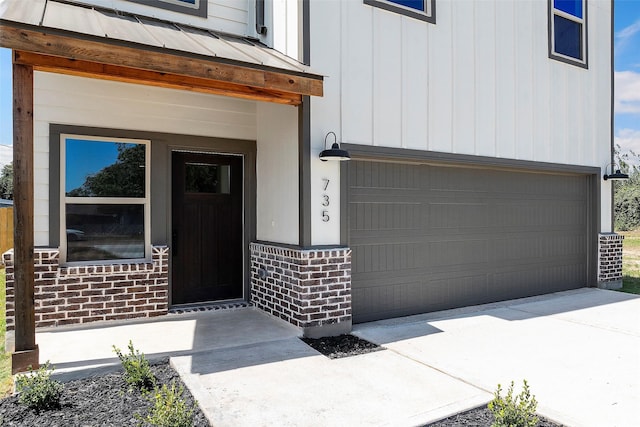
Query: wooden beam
(26, 350)
(140, 58)
(130, 75)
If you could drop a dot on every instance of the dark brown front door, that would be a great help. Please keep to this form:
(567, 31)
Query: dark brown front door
(207, 227)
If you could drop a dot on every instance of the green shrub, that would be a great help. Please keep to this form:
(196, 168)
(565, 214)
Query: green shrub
(169, 408)
(514, 412)
(37, 390)
(626, 199)
(137, 372)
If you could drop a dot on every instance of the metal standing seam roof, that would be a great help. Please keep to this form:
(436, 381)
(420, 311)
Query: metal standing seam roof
(147, 32)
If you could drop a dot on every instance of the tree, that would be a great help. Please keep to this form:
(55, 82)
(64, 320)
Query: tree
(6, 182)
(626, 199)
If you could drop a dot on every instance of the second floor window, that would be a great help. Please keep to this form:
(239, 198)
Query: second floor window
(568, 31)
(192, 7)
(424, 10)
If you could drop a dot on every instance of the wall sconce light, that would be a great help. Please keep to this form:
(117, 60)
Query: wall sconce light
(615, 176)
(335, 152)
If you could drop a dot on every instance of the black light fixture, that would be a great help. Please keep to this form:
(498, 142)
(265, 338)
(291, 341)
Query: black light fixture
(615, 176)
(335, 152)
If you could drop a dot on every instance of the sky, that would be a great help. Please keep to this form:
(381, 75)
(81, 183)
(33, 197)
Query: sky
(87, 158)
(627, 83)
(627, 74)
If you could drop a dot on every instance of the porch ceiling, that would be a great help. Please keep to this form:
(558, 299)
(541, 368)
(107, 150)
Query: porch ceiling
(73, 39)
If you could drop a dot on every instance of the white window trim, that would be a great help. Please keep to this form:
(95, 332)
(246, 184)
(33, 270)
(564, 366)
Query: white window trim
(429, 15)
(146, 201)
(552, 40)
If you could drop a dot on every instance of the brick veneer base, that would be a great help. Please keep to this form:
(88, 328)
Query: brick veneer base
(310, 288)
(89, 293)
(610, 260)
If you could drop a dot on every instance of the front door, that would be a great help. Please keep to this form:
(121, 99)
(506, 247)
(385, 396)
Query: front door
(207, 256)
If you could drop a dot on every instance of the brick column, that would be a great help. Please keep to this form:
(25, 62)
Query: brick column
(610, 261)
(309, 288)
(89, 293)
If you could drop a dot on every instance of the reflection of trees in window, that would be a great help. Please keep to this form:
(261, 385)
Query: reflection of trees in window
(205, 178)
(124, 178)
(6, 182)
(201, 178)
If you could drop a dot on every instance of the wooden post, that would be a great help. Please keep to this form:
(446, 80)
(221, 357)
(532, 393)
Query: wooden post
(26, 350)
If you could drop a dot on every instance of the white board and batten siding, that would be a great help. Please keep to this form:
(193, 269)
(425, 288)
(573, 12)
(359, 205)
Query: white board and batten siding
(478, 82)
(61, 99)
(228, 16)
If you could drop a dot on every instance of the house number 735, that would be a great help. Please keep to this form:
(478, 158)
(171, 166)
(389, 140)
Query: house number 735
(325, 201)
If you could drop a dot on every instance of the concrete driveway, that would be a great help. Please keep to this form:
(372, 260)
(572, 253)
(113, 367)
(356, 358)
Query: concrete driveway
(579, 351)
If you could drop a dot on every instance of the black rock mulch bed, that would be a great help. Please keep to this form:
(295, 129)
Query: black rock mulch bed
(480, 417)
(99, 401)
(341, 346)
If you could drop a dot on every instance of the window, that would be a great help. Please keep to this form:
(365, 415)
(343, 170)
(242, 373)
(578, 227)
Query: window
(207, 178)
(568, 32)
(424, 10)
(104, 204)
(192, 7)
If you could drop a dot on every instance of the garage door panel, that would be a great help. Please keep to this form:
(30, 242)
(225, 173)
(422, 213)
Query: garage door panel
(386, 175)
(456, 253)
(541, 213)
(388, 258)
(458, 215)
(418, 296)
(428, 238)
(531, 246)
(385, 216)
(386, 195)
(403, 297)
(380, 298)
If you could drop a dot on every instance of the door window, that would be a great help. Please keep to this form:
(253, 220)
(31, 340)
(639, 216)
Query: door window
(207, 178)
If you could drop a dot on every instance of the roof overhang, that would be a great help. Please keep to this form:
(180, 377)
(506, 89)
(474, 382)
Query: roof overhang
(71, 39)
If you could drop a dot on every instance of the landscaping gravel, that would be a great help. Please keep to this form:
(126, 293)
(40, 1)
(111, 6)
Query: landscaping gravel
(98, 401)
(341, 346)
(480, 417)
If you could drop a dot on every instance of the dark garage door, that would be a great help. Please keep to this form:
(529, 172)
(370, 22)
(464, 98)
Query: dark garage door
(428, 238)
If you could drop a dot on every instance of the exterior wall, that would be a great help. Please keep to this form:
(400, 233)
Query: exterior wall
(610, 261)
(277, 171)
(309, 288)
(83, 294)
(89, 102)
(235, 16)
(478, 82)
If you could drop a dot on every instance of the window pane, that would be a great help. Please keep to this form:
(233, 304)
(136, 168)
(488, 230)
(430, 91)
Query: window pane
(567, 37)
(104, 169)
(206, 178)
(413, 4)
(104, 232)
(572, 7)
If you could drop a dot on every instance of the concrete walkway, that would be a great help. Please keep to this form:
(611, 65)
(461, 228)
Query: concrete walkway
(579, 351)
